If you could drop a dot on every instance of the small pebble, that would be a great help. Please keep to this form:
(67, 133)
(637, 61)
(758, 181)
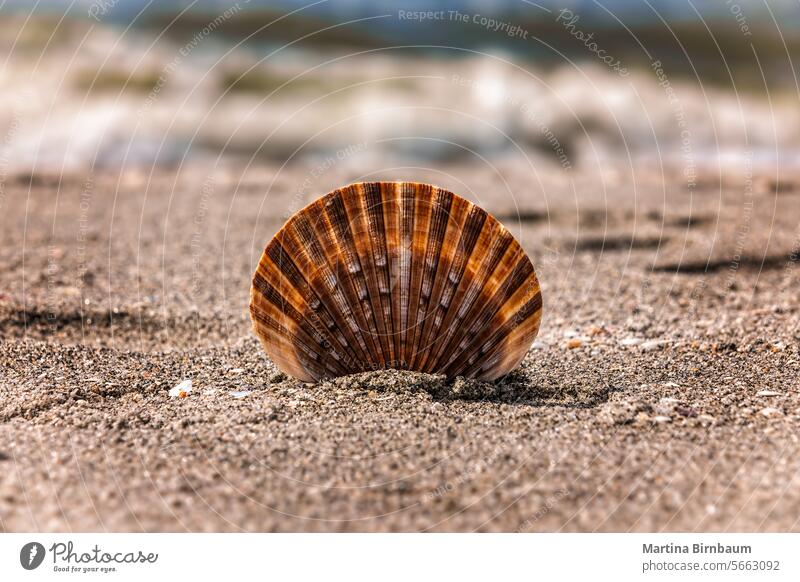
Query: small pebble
(662, 419)
(574, 343)
(768, 393)
(631, 341)
(277, 378)
(769, 411)
(240, 393)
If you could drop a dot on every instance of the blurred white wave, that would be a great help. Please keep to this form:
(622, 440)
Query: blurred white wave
(97, 96)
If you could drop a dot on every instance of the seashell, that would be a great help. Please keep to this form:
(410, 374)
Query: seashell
(395, 275)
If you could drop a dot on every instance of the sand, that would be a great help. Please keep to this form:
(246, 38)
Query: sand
(662, 393)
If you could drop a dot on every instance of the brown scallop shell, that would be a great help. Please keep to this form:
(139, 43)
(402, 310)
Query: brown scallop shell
(395, 275)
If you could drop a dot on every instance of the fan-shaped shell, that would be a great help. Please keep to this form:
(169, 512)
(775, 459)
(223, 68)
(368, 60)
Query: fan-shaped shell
(395, 275)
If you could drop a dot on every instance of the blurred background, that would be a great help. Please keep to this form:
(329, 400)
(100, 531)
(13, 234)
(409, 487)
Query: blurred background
(570, 84)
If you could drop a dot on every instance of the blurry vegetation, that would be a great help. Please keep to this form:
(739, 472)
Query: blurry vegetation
(114, 80)
(32, 35)
(260, 23)
(261, 81)
(687, 49)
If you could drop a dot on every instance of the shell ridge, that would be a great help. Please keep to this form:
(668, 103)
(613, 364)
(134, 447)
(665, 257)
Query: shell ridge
(481, 329)
(493, 346)
(373, 193)
(488, 307)
(310, 367)
(471, 306)
(360, 229)
(514, 348)
(325, 279)
(420, 198)
(405, 203)
(456, 216)
(464, 247)
(337, 215)
(274, 298)
(439, 219)
(285, 278)
(391, 220)
(315, 317)
(341, 285)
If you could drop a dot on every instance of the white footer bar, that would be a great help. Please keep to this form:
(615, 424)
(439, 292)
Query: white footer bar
(385, 557)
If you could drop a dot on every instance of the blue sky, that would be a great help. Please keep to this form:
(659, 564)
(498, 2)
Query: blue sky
(787, 12)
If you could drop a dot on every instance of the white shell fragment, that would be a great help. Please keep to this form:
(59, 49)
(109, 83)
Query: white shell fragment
(181, 390)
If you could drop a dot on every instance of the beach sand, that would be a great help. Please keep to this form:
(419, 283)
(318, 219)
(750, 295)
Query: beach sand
(663, 392)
